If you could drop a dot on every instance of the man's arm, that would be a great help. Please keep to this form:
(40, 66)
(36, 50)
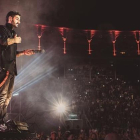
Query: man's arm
(11, 41)
(4, 40)
(25, 52)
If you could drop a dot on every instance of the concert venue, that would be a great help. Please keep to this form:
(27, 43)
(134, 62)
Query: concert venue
(83, 82)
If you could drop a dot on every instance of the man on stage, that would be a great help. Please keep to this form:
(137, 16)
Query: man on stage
(8, 53)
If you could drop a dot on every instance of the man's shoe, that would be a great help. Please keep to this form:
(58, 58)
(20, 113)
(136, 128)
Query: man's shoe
(3, 127)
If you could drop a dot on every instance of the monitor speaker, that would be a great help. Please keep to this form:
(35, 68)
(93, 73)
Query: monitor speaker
(17, 126)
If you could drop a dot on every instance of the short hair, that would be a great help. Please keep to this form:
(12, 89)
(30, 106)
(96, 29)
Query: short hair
(12, 14)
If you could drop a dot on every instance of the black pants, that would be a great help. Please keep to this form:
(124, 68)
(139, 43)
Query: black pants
(5, 93)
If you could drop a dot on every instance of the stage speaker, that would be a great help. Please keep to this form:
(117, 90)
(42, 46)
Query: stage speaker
(17, 126)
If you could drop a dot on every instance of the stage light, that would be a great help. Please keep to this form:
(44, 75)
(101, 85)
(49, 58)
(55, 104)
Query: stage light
(61, 108)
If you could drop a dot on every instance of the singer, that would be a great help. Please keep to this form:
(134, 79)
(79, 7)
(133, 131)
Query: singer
(8, 53)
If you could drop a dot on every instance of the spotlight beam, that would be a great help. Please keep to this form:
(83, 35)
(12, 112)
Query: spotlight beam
(34, 71)
(35, 80)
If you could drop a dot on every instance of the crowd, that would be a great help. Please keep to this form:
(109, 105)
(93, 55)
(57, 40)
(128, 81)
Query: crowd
(102, 97)
(92, 134)
(104, 100)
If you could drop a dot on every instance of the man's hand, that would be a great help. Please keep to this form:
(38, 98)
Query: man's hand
(28, 52)
(25, 52)
(17, 39)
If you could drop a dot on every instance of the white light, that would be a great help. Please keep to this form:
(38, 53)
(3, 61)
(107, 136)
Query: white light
(16, 94)
(61, 108)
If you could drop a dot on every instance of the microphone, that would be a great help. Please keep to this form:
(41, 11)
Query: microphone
(39, 51)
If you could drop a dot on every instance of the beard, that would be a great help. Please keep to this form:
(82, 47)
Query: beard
(15, 25)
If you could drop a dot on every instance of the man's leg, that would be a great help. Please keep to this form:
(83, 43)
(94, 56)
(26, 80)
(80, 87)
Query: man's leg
(5, 94)
(9, 93)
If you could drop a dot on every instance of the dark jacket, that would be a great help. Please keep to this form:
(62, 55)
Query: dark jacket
(7, 52)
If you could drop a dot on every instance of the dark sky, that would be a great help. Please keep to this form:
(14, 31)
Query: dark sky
(96, 14)
(83, 14)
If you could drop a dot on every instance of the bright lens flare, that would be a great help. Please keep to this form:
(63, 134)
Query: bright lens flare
(61, 108)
